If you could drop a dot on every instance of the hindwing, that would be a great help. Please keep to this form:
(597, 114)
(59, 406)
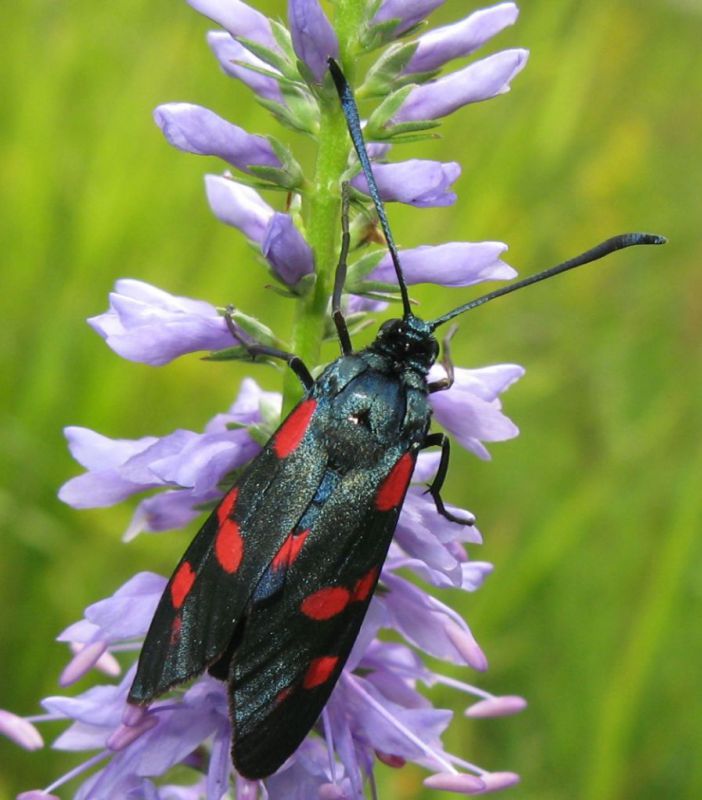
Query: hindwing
(295, 643)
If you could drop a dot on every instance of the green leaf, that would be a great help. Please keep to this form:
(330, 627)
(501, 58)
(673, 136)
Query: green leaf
(419, 137)
(237, 353)
(361, 268)
(286, 158)
(277, 177)
(384, 113)
(261, 433)
(379, 290)
(256, 329)
(303, 108)
(292, 119)
(264, 185)
(306, 75)
(378, 35)
(383, 75)
(283, 39)
(273, 59)
(384, 32)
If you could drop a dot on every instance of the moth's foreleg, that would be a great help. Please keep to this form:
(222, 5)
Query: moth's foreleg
(442, 441)
(295, 363)
(340, 275)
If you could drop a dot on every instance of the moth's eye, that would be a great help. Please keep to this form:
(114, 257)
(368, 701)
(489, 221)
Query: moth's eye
(390, 326)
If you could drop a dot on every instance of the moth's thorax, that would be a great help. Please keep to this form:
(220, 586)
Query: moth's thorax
(370, 405)
(409, 343)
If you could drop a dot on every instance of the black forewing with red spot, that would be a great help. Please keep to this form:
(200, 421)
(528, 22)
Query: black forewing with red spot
(305, 619)
(206, 599)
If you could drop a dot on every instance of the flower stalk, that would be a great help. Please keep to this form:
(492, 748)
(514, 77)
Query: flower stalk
(321, 207)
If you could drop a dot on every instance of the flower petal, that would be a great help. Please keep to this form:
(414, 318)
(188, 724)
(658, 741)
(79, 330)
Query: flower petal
(450, 264)
(497, 707)
(436, 47)
(286, 250)
(239, 19)
(20, 731)
(454, 782)
(416, 182)
(313, 37)
(228, 51)
(94, 451)
(239, 206)
(408, 12)
(151, 326)
(470, 409)
(478, 81)
(198, 130)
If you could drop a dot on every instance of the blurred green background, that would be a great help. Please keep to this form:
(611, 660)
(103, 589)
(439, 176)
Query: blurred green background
(591, 516)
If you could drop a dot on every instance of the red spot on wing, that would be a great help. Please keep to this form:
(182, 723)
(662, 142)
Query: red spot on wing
(229, 546)
(293, 429)
(319, 671)
(289, 550)
(364, 586)
(226, 507)
(283, 695)
(393, 488)
(325, 603)
(181, 584)
(176, 627)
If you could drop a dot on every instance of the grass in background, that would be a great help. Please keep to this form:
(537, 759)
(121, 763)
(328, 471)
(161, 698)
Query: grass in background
(591, 516)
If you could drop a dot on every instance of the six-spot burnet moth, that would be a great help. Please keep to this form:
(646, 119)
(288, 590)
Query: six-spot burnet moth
(271, 593)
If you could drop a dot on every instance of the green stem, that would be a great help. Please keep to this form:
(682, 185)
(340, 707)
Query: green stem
(321, 205)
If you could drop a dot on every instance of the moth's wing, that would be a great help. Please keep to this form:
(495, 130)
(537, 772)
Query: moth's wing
(296, 640)
(195, 623)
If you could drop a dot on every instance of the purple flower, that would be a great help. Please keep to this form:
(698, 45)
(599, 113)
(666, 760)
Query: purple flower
(151, 326)
(239, 19)
(228, 51)
(281, 242)
(286, 250)
(408, 12)
(198, 130)
(415, 182)
(189, 464)
(20, 730)
(471, 411)
(124, 615)
(313, 37)
(451, 264)
(478, 81)
(441, 45)
(239, 206)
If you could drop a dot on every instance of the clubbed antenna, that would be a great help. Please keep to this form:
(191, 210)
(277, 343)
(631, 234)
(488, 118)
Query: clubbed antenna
(594, 254)
(348, 105)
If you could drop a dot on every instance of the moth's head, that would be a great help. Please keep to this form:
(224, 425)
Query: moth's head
(408, 341)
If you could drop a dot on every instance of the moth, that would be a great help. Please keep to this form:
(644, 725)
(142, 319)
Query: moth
(271, 593)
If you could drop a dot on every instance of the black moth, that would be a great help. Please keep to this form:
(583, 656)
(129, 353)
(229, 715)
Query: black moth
(272, 591)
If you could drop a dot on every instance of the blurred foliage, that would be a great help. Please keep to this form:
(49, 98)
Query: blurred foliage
(591, 516)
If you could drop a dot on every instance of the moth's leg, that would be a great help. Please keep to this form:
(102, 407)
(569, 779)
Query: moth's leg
(340, 275)
(447, 382)
(295, 363)
(442, 441)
